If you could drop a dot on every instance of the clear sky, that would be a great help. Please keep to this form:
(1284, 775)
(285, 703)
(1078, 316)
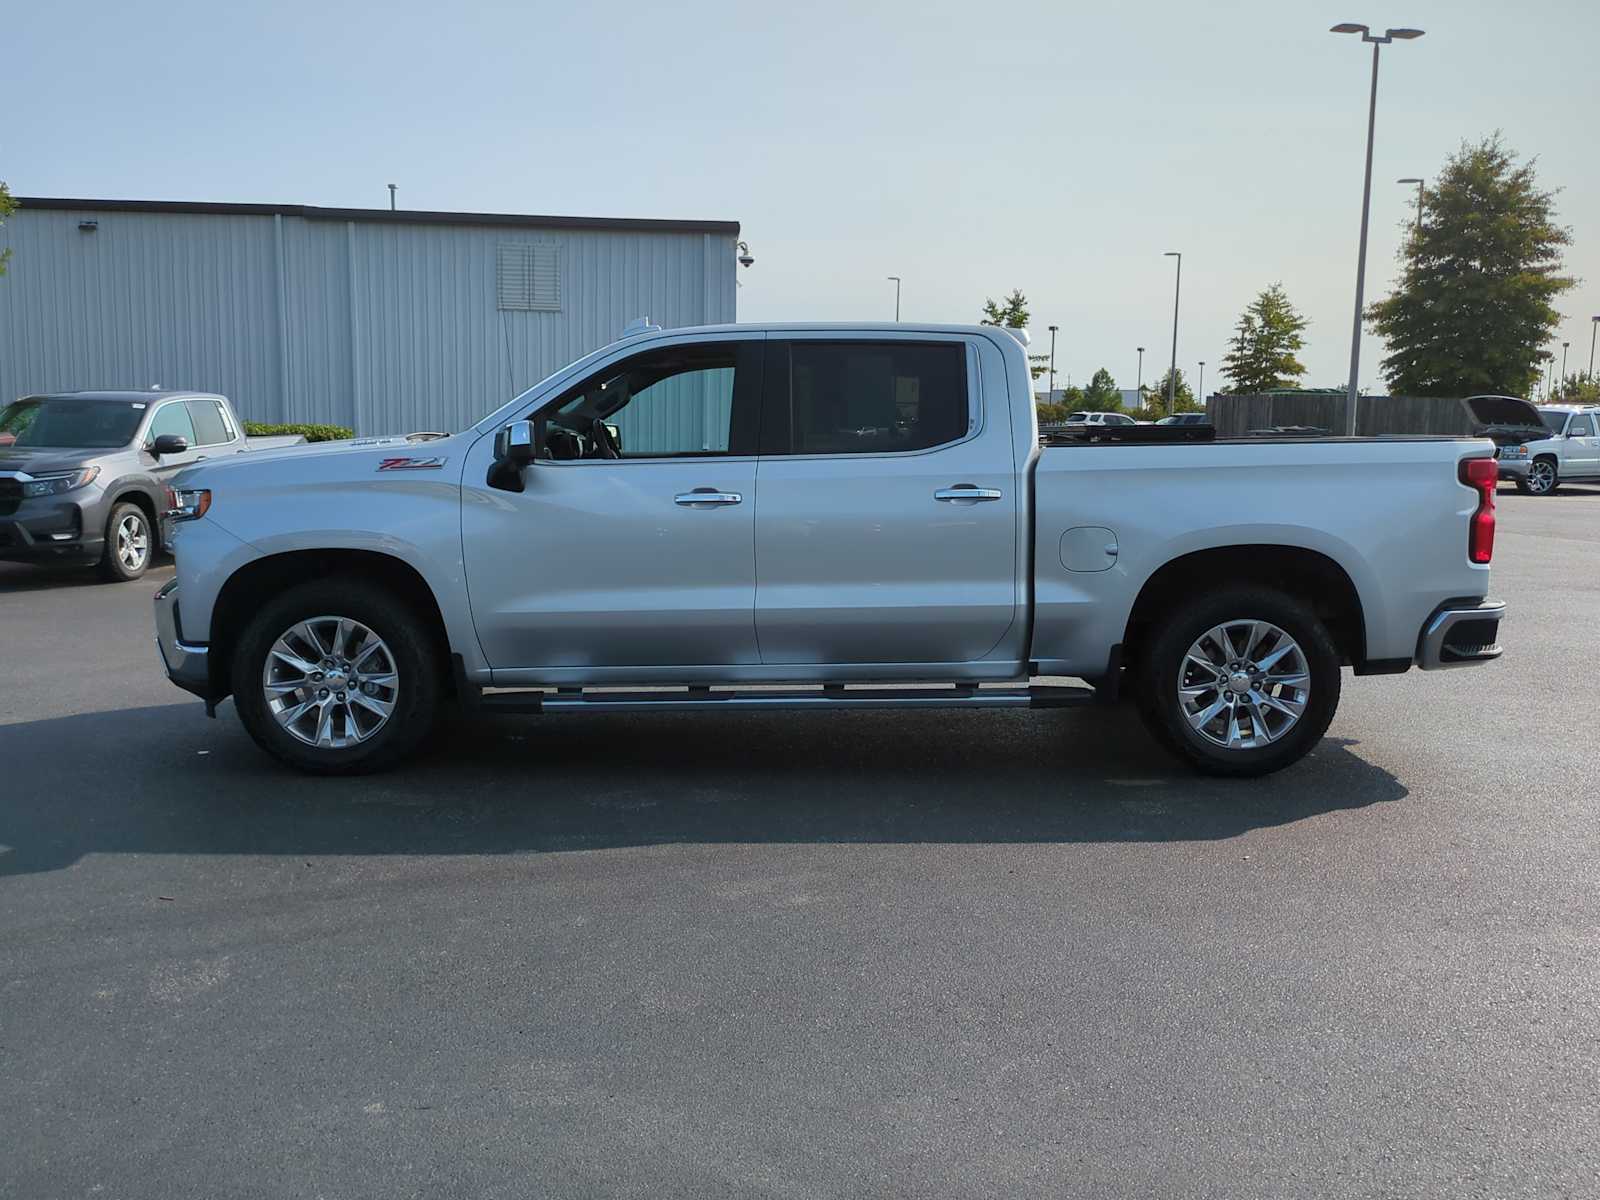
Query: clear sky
(1056, 147)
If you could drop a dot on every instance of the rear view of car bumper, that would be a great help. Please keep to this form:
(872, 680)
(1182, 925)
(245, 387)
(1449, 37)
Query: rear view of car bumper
(1461, 633)
(188, 665)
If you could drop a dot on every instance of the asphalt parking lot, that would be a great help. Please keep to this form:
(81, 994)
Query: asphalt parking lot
(1015, 953)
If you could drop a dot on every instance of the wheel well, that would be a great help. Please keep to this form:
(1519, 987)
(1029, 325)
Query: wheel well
(1310, 577)
(251, 585)
(146, 505)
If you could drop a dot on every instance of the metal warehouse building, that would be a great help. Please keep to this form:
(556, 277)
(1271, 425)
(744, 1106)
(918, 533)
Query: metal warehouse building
(380, 320)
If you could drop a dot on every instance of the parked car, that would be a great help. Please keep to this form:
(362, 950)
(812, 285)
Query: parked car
(82, 474)
(1185, 419)
(908, 529)
(1539, 446)
(1099, 418)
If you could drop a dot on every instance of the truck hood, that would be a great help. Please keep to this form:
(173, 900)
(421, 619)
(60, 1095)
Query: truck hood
(1506, 412)
(352, 458)
(1506, 420)
(45, 459)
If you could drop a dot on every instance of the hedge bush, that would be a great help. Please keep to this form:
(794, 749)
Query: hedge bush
(312, 433)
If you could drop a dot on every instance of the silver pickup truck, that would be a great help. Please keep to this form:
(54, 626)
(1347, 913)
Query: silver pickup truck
(801, 516)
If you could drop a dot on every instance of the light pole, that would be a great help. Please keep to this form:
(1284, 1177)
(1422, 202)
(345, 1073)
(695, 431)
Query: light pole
(1378, 43)
(896, 279)
(1172, 373)
(1139, 389)
(1593, 329)
(1564, 346)
(1053, 329)
(1200, 392)
(1419, 184)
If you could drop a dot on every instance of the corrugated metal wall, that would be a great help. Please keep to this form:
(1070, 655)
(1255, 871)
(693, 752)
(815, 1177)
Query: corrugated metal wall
(385, 326)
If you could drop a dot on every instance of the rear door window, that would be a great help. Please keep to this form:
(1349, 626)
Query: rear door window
(862, 397)
(210, 427)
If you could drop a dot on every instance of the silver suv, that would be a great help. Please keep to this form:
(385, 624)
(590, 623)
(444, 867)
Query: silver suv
(1539, 447)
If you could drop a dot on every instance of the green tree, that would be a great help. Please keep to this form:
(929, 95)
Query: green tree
(8, 205)
(1262, 353)
(1577, 389)
(1478, 281)
(1012, 313)
(1102, 393)
(1156, 397)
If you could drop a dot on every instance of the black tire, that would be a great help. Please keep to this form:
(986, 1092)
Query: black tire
(1534, 485)
(417, 665)
(113, 567)
(1158, 681)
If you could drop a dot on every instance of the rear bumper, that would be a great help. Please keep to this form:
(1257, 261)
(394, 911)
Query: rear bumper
(188, 665)
(1461, 633)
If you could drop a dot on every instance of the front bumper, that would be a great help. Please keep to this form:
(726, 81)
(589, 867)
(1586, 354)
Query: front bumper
(1461, 633)
(1514, 469)
(53, 529)
(188, 665)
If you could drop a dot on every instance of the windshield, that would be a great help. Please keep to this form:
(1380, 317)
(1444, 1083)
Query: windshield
(66, 423)
(1555, 422)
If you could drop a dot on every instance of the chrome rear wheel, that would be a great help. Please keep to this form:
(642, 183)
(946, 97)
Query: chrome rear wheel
(1244, 684)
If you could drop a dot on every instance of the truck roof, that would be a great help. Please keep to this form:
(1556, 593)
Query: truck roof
(125, 396)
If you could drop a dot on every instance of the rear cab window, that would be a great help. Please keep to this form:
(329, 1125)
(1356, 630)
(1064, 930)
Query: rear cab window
(865, 397)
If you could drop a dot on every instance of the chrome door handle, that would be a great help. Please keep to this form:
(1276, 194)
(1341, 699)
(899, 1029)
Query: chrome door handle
(968, 493)
(707, 497)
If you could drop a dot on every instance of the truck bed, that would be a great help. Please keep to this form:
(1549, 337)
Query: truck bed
(1390, 512)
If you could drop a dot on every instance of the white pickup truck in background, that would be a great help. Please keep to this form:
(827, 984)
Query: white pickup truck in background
(796, 516)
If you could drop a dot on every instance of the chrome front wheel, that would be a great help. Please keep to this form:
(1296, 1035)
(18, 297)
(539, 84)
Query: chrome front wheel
(330, 682)
(1541, 477)
(133, 542)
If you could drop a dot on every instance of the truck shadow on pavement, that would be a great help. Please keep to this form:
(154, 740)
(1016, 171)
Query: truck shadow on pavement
(164, 780)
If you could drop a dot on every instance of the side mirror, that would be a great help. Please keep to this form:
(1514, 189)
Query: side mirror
(169, 443)
(516, 444)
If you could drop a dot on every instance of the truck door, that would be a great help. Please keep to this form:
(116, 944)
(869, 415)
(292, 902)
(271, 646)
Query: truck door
(1583, 448)
(630, 544)
(886, 506)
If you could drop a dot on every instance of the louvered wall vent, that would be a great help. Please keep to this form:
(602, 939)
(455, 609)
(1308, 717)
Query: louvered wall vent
(528, 276)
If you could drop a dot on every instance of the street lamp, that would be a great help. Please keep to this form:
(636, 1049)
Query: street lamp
(1564, 346)
(1593, 329)
(1172, 374)
(1200, 392)
(1419, 184)
(1053, 329)
(1389, 35)
(896, 279)
(1139, 390)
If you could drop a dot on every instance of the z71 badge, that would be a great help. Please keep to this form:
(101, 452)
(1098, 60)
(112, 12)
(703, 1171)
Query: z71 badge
(411, 464)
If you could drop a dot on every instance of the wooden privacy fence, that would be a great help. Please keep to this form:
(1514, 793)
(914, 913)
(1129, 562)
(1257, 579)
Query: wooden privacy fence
(1376, 416)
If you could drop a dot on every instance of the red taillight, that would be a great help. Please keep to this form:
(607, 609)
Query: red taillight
(1483, 475)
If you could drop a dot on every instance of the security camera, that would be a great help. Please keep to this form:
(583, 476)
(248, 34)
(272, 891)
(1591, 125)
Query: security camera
(745, 260)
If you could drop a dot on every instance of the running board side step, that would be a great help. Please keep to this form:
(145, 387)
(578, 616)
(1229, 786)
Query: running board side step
(703, 699)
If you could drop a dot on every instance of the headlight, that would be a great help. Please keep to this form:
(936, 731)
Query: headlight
(1513, 452)
(66, 481)
(188, 505)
